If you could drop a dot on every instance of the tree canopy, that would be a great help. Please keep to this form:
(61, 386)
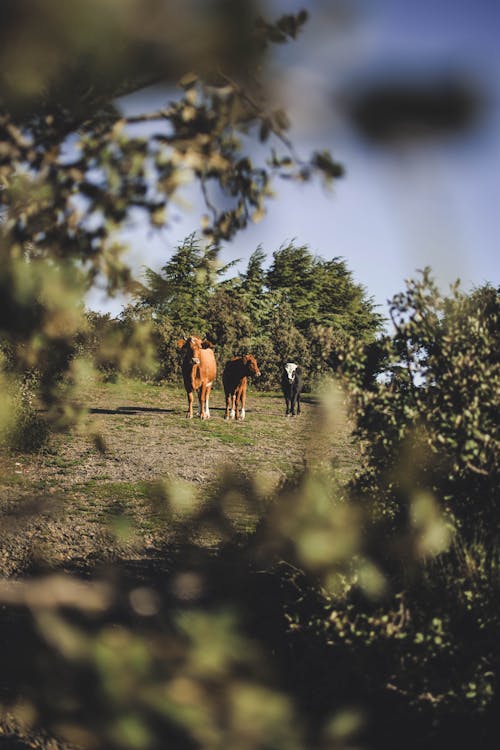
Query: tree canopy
(301, 307)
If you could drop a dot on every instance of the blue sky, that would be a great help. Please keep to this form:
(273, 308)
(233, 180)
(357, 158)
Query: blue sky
(433, 202)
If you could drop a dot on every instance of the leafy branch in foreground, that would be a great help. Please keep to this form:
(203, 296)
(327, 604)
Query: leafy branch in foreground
(71, 167)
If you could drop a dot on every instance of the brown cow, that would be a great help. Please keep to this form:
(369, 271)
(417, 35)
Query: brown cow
(198, 370)
(235, 377)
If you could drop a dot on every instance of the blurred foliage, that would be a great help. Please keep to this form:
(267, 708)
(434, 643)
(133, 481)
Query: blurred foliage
(22, 427)
(401, 107)
(424, 401)
(430, 395)
(116, 345)
(71, 170)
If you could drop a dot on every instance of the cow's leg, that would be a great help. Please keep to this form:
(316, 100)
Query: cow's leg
(189, 414)
(207, 399)
(228, 405)
(243, 400)
(233, 404)
(237, 403)
(202, 393)
(287, 399)
(298, 403)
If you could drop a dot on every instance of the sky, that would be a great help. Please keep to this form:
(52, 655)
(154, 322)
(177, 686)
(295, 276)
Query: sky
(429, 201)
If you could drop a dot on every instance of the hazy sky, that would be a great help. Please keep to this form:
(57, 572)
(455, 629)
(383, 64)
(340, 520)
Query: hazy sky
(432, 202)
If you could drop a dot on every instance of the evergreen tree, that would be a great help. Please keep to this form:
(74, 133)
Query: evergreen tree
(289, 344)
(322, 292)
(292, 271)
(342, 304)
(181, 290)
(229, 327)
(254, 279)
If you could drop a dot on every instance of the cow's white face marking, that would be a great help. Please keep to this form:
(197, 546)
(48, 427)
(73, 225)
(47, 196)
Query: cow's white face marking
(290, 368)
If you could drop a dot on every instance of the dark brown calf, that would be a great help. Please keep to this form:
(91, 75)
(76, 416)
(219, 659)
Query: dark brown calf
(235, 379)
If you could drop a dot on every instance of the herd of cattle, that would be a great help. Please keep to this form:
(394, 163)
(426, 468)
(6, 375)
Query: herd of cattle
(199, 370)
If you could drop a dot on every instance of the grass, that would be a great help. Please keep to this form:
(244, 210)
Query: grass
(232, 433)
(115, 490)
(145, 437)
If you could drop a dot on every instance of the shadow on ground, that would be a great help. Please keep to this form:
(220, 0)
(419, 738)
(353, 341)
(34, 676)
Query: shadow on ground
(132, 410)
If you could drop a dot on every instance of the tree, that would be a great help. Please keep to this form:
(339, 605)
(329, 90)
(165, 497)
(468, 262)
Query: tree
(181, 289)
(326, 305)
(229, 325)
(253, 288)
(292, 272)
(322, 292)
(427, 485)
(341, 303)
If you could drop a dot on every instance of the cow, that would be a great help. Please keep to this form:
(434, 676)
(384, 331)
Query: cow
(291, 385)
(198, 371)
(235, 377)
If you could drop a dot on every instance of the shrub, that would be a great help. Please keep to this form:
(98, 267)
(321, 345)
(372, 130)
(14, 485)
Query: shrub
(26, 430)
(429, 418)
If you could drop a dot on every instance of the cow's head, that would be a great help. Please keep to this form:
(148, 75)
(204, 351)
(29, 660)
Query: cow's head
(192, 347)
(291, 370)
(251, 365)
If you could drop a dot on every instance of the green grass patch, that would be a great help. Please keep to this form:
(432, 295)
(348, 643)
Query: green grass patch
(228, 433)
(116, 490)
(62, 463)
(12, 480)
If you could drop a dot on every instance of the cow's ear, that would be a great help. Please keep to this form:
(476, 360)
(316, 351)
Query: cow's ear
(206, 344)
(181, 343)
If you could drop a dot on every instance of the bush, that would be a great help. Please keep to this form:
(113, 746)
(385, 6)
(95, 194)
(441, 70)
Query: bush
(26, 430)
(416, 607)
(429, 417)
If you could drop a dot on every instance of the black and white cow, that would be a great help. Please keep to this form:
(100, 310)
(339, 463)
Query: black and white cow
(291, 384)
